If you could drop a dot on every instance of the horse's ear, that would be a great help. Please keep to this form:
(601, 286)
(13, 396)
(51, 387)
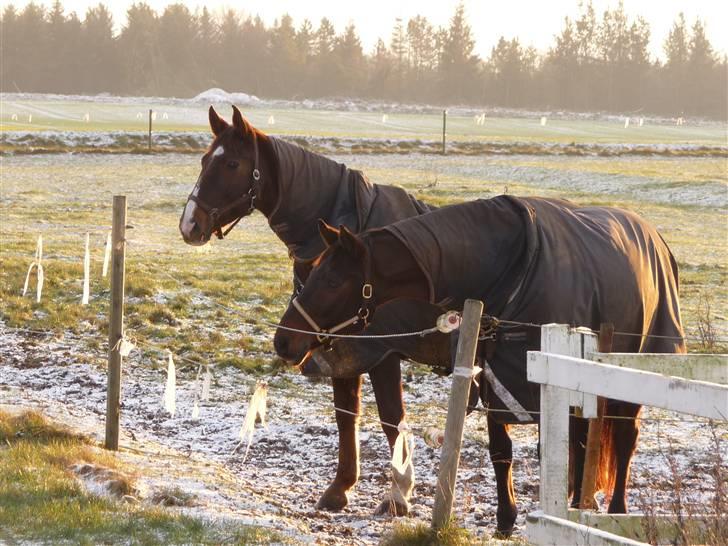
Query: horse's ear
(351, 242)
(328, 233)
(240, 123)
(217, 124)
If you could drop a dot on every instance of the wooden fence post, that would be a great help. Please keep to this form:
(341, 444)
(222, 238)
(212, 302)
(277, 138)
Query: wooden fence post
(444, 129)
(149, 138)
(461, 379)
(554, 429)
(593, 439)
(116, 322)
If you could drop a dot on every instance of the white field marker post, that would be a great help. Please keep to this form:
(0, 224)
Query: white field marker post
(554, 440)
(38, 264)
(170, 388)
(461, 378)
(543, 121)
(86, 272)
(116, 322)
(107, 256)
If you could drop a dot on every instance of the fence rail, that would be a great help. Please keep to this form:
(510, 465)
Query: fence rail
(568, 371)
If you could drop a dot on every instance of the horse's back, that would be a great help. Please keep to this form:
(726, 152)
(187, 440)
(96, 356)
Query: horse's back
(620, 262)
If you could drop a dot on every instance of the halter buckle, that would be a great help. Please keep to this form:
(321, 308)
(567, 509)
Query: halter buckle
(363, 313)
(367, 291)
(256, 174)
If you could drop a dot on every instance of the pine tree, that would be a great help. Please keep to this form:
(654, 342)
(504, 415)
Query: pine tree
(458, 66)
(677, 52)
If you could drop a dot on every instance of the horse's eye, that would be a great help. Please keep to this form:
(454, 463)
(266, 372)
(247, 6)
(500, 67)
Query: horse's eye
(333, 282)
(233, 164)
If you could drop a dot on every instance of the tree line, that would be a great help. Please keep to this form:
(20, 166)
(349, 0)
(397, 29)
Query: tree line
(596, 63)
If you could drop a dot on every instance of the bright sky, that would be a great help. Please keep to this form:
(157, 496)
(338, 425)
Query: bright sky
(535, 22)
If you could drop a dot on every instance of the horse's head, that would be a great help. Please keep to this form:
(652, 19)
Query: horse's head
(337, 295)
(229, 181)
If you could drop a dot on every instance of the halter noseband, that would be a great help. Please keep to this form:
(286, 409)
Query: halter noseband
(364, 313)
(215, 214)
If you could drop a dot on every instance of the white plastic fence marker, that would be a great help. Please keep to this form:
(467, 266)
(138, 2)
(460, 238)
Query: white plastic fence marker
(37, 263)
(399, 461)
(139, 115)
(125, 347)
(642, 121)
(256, 408)
(86, 272)
(196, 411)
(626, 122)
(154, 116)
(14, 117)
(434, 437)
(30, 118)
(385, 117)
(170, 389)
(206, 384)
(86, 117)
(39, 287)
(271, 120)
(165, 116)
(107, 256)
(543, 121)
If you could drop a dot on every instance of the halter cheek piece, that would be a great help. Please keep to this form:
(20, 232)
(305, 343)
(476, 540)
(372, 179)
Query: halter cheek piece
(364, 313)
(215, 214)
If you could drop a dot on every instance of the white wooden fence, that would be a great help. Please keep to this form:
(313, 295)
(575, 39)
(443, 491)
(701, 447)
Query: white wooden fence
(572, 373)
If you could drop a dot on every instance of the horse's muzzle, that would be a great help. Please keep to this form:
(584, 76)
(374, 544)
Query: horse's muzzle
(192, 233)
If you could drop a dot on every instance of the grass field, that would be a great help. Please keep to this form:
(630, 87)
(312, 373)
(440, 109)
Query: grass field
(207, 304)
(132, 116)
(174, 290)
(51, 504)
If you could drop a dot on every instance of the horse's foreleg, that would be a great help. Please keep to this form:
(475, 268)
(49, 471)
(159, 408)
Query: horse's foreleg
(501, 455)
(624, 439)
(347, 393)
(387, 383)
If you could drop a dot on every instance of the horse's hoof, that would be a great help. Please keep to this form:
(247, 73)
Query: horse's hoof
(503, 534)
(333, 500)
(389, 507)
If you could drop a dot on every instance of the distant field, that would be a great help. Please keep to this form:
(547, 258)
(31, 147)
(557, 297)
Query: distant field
(132, 116)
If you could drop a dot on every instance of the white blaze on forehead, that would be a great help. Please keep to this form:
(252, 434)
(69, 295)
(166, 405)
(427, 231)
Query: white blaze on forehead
(218, 151)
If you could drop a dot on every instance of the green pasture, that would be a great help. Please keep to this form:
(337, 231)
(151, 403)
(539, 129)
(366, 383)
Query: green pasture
(207, 302)
(132, 115)
(43, 502)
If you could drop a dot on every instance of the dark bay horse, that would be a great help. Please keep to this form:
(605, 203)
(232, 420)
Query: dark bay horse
(530, 260)
(245, 170)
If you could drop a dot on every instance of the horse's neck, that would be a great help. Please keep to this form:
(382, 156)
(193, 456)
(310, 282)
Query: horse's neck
(395, 271)
(482, 256)
(268, 196)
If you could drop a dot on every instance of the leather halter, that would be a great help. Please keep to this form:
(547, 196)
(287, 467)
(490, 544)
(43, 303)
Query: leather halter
(366, 309)
(364, 313)
(215, 213)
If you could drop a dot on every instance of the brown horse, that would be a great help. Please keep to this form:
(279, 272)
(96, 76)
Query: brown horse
(531, 261)
(245, 170)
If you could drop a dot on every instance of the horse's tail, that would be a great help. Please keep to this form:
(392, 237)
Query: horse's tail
(607, 466)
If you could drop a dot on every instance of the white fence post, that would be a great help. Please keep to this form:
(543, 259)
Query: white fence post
(554, 432)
